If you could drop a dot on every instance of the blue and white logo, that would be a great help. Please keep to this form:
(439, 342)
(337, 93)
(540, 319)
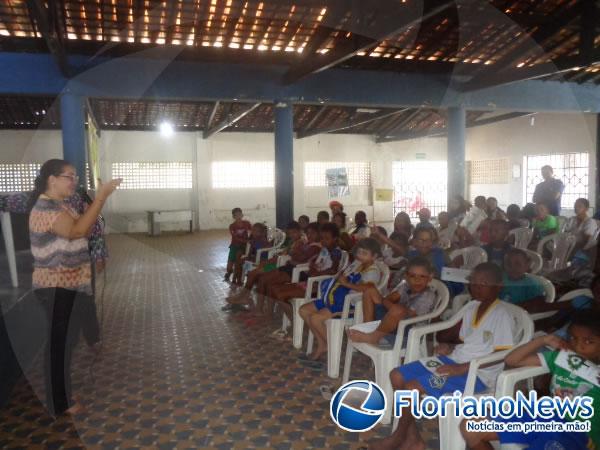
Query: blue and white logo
(358, 405)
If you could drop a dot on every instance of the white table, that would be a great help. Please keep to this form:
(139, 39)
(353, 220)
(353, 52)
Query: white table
(155, 218)
(9, 244)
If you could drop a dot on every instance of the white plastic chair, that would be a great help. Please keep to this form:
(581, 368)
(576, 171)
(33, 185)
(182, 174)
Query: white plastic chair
(562, 223)
(446, 243)
(387, 359)
(522, 236)
(450, 436)
(472, 256)
(298, 326)
(550, 296)
(10, 247)
(336, 327)
(562, 247)
(536, 262)
(278, 238)
(565, 298)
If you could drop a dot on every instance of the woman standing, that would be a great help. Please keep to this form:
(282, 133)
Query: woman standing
(62, 273)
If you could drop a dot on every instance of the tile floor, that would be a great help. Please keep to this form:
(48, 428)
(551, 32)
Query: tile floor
(177, 372)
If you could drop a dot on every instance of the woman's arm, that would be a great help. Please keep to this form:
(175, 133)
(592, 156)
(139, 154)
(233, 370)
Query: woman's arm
(68, 227)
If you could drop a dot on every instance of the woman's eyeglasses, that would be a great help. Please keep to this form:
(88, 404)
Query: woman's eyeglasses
(74, 178)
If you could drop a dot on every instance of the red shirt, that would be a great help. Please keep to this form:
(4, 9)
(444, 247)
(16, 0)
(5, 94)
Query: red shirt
(240, 231)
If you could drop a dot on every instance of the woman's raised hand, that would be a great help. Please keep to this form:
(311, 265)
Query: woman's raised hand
(105, 189)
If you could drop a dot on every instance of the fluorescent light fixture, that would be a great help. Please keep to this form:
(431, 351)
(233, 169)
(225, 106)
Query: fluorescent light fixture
(166, 129)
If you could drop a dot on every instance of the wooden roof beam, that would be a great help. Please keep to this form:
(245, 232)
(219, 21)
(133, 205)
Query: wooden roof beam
(351, 123)
(47, 23)
(230, 120)
(403, 18)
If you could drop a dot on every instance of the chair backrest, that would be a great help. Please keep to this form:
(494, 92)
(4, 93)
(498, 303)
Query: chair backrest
(384, 278)
(472, 256)
(562, 223)
(442, 299)
(536, 262)
(278, 237)
(549, 289)
(576, 293)
(522, 237)
(345, 259)
(562, 244)
(523, 325)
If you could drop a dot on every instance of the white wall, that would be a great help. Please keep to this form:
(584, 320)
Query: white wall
(551, 133)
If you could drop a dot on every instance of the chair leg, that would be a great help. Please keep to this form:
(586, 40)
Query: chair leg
(382, 378)
(335, 337)
(450, 435)
(348, 361)
(297, 325)
(309, 344)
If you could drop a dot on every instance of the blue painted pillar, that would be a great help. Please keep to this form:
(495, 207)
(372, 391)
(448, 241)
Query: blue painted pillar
(72, 116)
(456, 152)
(284, 163)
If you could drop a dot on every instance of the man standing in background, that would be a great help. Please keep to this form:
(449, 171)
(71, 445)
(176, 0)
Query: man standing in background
(549, 191)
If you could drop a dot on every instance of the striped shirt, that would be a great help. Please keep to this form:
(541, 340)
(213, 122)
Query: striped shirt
(57, 261)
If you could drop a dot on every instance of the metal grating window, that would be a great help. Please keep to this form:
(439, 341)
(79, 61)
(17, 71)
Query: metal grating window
(494, 171)
(243, 174)
(18, 177)
(359, 173)
(572, 168)
(153, 175)
(420, 184)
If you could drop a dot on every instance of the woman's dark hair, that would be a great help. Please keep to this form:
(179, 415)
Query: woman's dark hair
(513, 211)
(419, 261)
(52, 167)
(342, 215)
(369, 244)
(331, 228)
(587, 318)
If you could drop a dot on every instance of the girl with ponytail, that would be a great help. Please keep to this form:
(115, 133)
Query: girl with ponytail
(62, 275)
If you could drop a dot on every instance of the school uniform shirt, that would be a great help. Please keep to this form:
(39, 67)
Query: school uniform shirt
(496, 255)
(520, 290)
(420, 302)
(492, 332)
(573, 375)
(326, 259)
(586, 228)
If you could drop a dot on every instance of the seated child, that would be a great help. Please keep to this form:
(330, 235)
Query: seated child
(322, 217)
(578, 303)
(303, 220)
(293, 240)
(520, 288)
(568, 380)
(544, 224)
(303, 253)
(445, 230)
(258, 240)
(361, 226)
(392, 250)
(345, 242)
(424, 245)
(412, 297)
(498, 246)
(240, 233)
(326, 263)
(487, 327)
(358, 276)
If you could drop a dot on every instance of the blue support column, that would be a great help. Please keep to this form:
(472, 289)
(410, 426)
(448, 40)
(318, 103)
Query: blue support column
(456, 152)
(72, 116)
(284, 163)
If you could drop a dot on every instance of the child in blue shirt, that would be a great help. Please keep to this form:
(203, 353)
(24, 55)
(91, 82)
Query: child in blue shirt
(518, 287)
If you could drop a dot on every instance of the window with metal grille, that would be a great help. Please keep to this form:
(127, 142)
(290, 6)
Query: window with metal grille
(18, 177)
(153, 175)
(420, 184)
(571, 168)
(243, 174)
(359, 173)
